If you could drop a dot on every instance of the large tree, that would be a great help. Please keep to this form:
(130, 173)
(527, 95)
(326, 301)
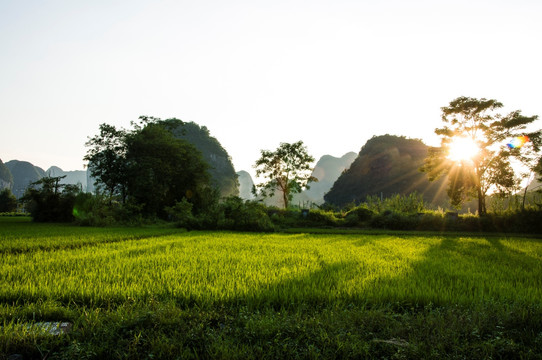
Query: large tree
(474, 152)
(163, 170)
(106, 158)
(8, 201)
(147, 166)
(287, 170)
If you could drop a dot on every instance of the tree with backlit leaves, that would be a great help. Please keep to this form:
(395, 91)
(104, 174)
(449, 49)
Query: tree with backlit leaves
(489, 167)
(287, 170)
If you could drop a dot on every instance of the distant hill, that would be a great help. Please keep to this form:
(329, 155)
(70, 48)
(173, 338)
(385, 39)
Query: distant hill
(245, 185)
(386, 165)
(6, 180)
(327, 170)
(221, 168)
(77, 177)
(24, 173)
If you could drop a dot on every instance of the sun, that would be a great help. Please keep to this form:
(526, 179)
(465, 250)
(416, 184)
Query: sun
(462, 149)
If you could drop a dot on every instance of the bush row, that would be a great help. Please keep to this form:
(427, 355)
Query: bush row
(528, 221)
(233, 213)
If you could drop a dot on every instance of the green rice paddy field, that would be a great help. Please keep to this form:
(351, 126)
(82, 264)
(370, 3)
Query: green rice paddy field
(159, 292)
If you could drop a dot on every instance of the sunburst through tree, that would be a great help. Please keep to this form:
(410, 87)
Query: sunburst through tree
(474, 153)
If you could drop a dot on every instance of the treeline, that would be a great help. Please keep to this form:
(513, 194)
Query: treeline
(153, 173)
(56, 202)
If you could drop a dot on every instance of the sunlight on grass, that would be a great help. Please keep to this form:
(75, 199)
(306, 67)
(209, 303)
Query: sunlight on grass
(211, 267)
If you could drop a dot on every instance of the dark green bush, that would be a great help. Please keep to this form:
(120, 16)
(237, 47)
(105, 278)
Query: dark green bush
(284, 218)
(181, 213)
(244, 215)
(48, 200)
(96, 210)
(430, 221)
(358, 216)
(394, 221)
(8, 202)
(321, 218)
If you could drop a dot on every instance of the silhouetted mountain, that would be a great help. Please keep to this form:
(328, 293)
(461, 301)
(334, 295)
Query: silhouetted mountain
(245, 185)
(327, 170)
(76, 177)
(6, 180)
(387, 165)
(24, 173)
(221, 168)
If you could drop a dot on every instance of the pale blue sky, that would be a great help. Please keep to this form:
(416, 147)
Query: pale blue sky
(257, 73)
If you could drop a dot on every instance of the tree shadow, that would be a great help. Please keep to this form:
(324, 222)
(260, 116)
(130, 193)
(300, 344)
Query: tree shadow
(452, 270)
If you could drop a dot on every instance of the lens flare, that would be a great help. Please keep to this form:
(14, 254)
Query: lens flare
(518, 142)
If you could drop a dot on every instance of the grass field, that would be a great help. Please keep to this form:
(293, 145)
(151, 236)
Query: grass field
(163, 293)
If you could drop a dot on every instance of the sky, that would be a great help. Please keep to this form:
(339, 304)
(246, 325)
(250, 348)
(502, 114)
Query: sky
(257, 73)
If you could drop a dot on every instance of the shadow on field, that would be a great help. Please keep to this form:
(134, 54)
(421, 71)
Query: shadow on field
(452, 270)
(315, 288)
(467, 271)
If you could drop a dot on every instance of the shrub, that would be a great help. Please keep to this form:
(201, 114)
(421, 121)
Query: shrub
(50, 201)
(358, 216)
(407, 204)
(96, 210)
(321, 218)
(284, 218)
(181, 213)
(430, 221)
(394, 221)
(244, 215)
(8, 202)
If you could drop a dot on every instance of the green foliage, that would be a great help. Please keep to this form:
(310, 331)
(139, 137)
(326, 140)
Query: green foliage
(97, 210)
(477, 120)
(147, 169)
(49, 201)
(407, 204)
(162, 169)
(287, 170)
(231, 213)
(181, 213)
(358, 216)
(244, 216)
(106, 158)
(8, 202)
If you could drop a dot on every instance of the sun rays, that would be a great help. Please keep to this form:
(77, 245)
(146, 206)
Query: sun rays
(462, 149)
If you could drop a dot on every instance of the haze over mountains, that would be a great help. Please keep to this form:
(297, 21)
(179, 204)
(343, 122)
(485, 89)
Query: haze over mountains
(24, 173)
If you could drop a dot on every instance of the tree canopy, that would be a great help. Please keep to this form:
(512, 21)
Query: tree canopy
(48, 200)
(106, 158)
(487, 164)
(163, 169)
(8, 201)
(147, 166)
(287, 170)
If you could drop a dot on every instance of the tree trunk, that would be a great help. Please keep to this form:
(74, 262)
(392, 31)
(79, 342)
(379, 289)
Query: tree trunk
(481, 202)
(285, 198)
